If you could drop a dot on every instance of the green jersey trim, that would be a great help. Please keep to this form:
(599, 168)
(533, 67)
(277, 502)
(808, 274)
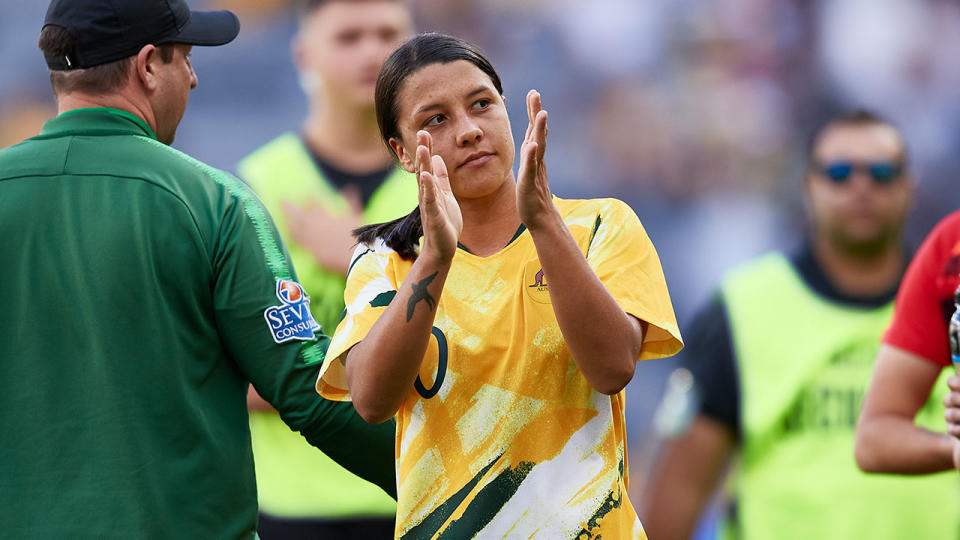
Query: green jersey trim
(593, 233)
(432, 523)
(383, 299)
(519, 232)
(516, 235)
(311, 352)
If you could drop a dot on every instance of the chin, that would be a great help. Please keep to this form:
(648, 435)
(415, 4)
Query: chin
(866, 243)
(475, 187)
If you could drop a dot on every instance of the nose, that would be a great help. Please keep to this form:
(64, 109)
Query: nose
(861, 179)
(193, 74)
(470, 132)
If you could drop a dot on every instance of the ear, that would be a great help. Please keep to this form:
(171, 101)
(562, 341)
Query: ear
(145, 64)
(407, 161)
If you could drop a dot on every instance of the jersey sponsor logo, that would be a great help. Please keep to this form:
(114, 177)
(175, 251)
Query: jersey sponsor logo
(292, 318)
(535, 283)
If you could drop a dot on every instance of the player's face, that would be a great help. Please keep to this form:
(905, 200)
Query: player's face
(342, 45)
(853, 198)
(467, 120)
(175, 79)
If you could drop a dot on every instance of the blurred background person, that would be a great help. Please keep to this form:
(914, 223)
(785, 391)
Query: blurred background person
(319, 184)
(23, 116)
(781, 359)
(916, 349)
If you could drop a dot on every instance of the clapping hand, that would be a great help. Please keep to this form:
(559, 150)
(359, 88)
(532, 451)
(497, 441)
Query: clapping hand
(439, 211)
(534, 202)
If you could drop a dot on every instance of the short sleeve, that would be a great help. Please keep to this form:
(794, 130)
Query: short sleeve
(621, 254)
(368, 293)
(925, 298)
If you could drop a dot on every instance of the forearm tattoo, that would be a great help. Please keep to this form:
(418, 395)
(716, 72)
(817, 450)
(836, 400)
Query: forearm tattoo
(420, 293)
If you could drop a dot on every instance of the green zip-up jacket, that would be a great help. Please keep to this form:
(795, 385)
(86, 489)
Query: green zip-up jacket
(141, 291)
(294, 481)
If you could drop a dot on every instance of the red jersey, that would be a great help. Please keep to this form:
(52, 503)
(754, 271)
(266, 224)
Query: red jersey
(925, 301)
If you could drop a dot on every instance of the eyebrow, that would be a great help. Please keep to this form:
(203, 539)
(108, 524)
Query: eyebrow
(477, 90)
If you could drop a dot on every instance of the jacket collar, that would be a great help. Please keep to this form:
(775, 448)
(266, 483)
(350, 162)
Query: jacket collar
(96, 121)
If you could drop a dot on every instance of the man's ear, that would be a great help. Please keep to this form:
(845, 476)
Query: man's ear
(407, 161)
(145, 66)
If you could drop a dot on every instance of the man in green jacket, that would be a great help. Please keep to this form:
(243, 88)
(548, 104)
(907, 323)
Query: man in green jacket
(320, 183)
(781, 359)
(141, 291)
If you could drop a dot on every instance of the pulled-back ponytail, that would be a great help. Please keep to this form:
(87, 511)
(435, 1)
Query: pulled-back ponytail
(403, 234)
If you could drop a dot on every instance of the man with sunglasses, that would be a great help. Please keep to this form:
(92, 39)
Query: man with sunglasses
(781, 358)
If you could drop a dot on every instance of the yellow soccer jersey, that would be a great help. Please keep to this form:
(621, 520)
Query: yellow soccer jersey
(501, 435)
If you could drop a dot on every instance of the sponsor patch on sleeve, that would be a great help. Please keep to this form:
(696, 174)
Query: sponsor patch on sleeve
(292, 318)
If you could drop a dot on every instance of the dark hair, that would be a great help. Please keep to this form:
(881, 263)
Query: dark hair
(57, 41)
(859, 117)
(402, 234)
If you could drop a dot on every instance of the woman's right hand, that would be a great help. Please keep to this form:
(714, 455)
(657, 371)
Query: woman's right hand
(439, 211)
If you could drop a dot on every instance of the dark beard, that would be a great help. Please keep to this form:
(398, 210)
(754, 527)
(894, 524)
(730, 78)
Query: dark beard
(866, 248)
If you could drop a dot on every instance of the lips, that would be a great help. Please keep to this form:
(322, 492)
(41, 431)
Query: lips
(476, 159)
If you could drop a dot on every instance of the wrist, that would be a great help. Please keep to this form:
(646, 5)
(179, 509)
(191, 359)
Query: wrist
(948, 445)
(546, 221)
(436, 259)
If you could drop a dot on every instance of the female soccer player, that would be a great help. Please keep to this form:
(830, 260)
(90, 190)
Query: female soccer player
(498, 323)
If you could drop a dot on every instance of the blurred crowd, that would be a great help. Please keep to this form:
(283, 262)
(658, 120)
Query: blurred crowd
(695, 112)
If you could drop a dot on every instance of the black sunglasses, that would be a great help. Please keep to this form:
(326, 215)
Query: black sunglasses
(882, 172)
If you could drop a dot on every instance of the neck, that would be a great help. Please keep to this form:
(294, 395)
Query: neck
(860, 274)
(120, 100)
(490, 222)
(346, 136)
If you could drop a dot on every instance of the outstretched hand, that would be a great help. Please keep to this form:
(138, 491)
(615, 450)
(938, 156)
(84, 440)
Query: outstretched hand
(439, 210)
(533, 190)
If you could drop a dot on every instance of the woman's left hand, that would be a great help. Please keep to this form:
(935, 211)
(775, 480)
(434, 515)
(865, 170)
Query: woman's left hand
(533, 190)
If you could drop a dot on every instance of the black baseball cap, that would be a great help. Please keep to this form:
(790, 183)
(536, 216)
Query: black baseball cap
(109, 30)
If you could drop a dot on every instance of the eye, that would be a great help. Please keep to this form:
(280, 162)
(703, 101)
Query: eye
(435, 120)
(481, 104)
(348, 37)
(389, 35)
